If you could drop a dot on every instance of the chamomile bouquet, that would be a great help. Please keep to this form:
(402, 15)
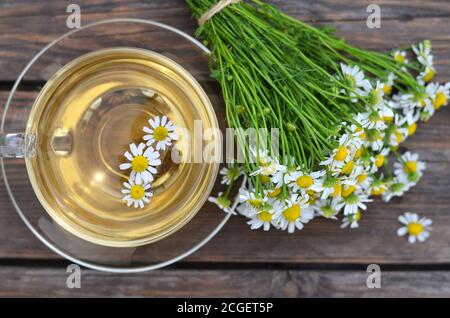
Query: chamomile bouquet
(341, 113)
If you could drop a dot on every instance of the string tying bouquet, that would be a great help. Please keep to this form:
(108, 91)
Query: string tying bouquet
(341, 113)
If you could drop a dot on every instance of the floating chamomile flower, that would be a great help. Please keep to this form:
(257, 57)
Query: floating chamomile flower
(161, 132)
(409, 169)
(415, 228)
(142, 163)
(294, 213)
(136, 194)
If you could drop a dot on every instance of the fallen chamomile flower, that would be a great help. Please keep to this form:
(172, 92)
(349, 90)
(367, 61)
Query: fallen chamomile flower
(161, 132)
(416, 229)
(136, 194)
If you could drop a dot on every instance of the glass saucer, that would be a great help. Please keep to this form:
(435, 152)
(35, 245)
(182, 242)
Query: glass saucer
(134, 33)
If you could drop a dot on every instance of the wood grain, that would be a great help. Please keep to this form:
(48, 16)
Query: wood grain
(51, 282)
(320, 242)
(403, 22)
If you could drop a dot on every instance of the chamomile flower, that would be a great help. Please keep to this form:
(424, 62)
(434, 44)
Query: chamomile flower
(332, 187)
(294, 214)
(423, 53)
(354, 78)
(303, 182)
(352, 220)
(254, 200)
(223, 202)
(371, 120)
(326, 208)
(354, 202)
(136, 194)
(400, 56)
(427, 74)
(264, 218)
(409, 169)
(378, 187)
(375, 139)
(378, 160)
(396, 189)
(142, 163)
(230, 174)
(375, 96)
(389, 84)
(161, 132)
(417, 229)
(439, 94)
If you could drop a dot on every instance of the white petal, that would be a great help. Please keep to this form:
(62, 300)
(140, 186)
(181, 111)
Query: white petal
(138, 178)
(128, 155)
(412, 239)
(125, 166)
(402, 231)
(164, 120)
(134, 149)
(141, 148)
(147, 130)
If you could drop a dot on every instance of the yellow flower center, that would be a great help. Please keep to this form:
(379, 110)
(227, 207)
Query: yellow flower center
(312, 197)
(399, 58)
(264, 179)
(139, 164)
(415, 228)
(305, 182)
(379, 160)
(410, 166)
(440, 100)
(362, 177)
(137, 192)
(388, 119)
(255, 202)
(337, 190)
(265, 216)
(292, 213)
(160, 133)
(399, 136)
(348, 168)
(378, 191)
(274, 193)
(387, 89)
(429, 75)
(412, 129)
(358, 153)
(341, 154)
(358, 216)
(347, 191)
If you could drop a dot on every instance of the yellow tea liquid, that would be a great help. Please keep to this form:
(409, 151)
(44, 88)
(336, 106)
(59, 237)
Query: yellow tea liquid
(83, 121)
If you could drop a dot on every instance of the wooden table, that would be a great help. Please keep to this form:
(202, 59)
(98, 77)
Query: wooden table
(319, 261)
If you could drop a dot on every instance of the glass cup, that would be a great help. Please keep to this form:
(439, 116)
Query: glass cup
(65, 142)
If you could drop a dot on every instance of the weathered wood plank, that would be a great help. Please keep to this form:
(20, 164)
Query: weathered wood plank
(50, 282)
(403, 22)
(321, 241)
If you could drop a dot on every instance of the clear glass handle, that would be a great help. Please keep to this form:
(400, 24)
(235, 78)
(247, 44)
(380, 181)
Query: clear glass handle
(17, 145)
